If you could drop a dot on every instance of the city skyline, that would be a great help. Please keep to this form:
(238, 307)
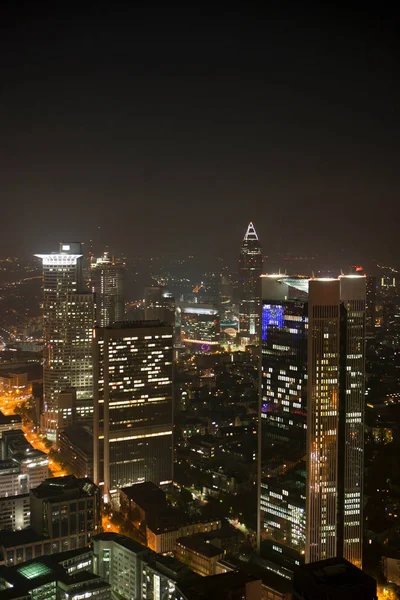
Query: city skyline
(199, 301)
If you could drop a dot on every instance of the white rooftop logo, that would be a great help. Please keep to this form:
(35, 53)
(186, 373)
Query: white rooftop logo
(251, 234)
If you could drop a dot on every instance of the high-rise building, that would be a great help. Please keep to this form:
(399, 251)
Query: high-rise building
(371, 304)
(107, 283)
(159, 304)
(312, 410)
(199, 326)
(250, 267)
(68, 323)
(133, 405)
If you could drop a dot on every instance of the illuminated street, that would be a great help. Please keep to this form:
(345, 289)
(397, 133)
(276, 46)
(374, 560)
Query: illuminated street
(8, 405)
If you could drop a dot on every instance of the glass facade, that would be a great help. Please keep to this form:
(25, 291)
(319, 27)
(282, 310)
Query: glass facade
(323, 420)
(312, 416)
(67, 323)
(133, 405)
(250, 266)
(200, 327)
(284, 326)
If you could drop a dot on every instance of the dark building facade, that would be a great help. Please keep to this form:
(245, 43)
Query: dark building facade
(66, 509)
(107, 282)
(159, 304)
(250, 268)
(133, 405)
(333, 579)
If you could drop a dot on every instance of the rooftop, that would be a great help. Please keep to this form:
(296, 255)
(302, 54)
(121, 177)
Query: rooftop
(260, 570)
(334, 573)
(135, 325)
(217, 587)
(7, 419)
(145, 494)
(197, 543)
(122, 540)
(56, 488)
(11, 539)
(79, 437)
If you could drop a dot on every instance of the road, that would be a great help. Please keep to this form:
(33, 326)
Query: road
(8, 405)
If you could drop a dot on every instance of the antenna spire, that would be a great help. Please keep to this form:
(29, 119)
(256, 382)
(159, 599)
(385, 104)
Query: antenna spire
(251, 234)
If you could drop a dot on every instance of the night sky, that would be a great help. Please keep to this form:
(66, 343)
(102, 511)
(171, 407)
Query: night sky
(172, 128)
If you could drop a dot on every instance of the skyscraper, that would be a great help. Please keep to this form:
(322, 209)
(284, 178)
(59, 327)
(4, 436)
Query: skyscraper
(159, 304)
(133, 405)
(199, 326)
(312, 415)
(250, 267)
(68, 315)
(107, 283)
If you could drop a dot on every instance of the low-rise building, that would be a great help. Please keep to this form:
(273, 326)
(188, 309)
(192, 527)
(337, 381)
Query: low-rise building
(33, 464)
(76, 448)
(222, 587)
(134, 571)
(68, 509)
(163, 530)
(45, 578)
(140, 501)
(15, 512)
(117, 560)
(162, 576)
(276, 582)
(7, 423)
(391, 567)
(332, 579)
(198, 554)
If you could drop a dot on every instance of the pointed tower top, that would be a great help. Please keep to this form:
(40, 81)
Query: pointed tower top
(251, 234)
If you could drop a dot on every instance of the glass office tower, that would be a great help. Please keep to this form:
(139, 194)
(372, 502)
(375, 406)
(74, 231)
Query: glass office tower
(312, 415)
(68, 318)
(133, 405)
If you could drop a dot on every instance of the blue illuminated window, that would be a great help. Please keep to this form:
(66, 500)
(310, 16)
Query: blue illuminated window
(273, 315)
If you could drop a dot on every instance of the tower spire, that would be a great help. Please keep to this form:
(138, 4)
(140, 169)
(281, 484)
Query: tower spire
(251, 233)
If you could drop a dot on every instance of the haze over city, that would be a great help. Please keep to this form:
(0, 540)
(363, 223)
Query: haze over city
(199, 302)
(170, 128)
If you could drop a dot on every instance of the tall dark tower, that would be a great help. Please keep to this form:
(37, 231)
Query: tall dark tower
(250, 267)
(107, 283)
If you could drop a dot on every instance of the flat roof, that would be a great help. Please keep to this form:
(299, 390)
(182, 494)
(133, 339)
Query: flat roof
(11, 539)
(79, 437)
(145, 494)
(122, 540)
(197, 543)
(55, 488)
(7, 419)
(334, 573)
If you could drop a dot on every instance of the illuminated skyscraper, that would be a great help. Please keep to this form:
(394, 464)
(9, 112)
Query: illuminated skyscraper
(107, 283)
(312, 415)
(250, 267)
(133, 405)
(68, 317)
(199, 326)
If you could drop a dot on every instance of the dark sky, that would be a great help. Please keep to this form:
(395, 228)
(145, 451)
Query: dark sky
(172, 128)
